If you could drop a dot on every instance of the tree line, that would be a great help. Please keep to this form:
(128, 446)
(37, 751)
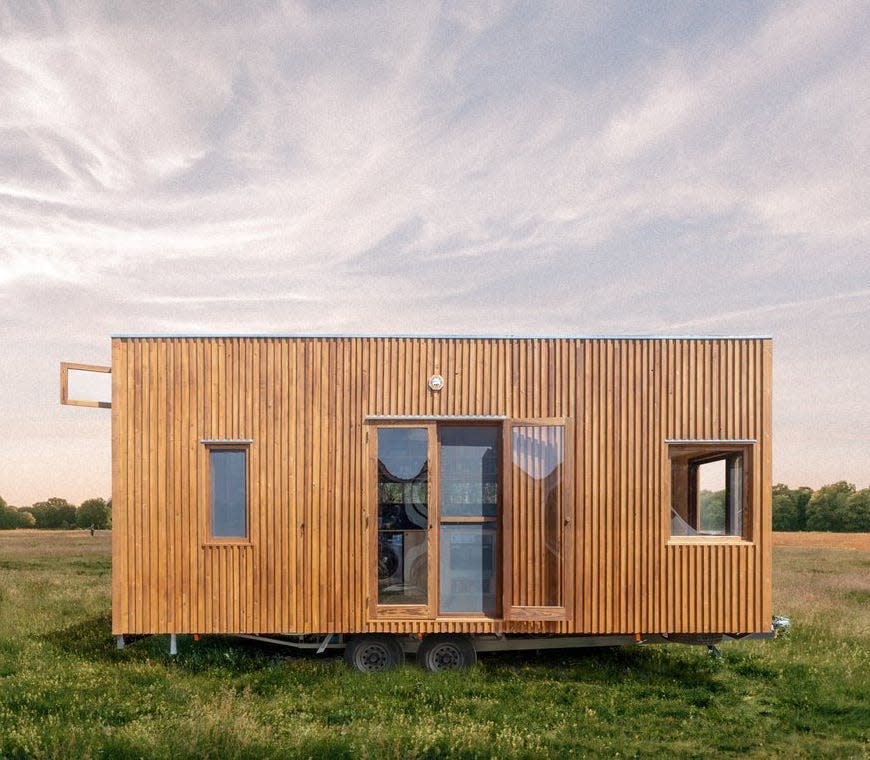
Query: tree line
(837, 507)
(57, 514)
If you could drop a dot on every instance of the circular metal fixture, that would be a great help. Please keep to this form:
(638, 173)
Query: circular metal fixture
(373, 652)
(446, 652)
(436, 382)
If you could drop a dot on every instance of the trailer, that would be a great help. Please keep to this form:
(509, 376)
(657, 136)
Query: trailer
(440, 495)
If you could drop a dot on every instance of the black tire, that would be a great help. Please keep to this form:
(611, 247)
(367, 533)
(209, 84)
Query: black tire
(370, 654)
(446, 652)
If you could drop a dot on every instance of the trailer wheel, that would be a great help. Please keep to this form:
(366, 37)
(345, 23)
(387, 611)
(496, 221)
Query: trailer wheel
(446, 652)
(369, 654)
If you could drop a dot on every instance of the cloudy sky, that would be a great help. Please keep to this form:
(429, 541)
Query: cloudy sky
(429, 167)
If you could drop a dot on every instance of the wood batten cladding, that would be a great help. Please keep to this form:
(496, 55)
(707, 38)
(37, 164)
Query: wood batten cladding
(305, 403)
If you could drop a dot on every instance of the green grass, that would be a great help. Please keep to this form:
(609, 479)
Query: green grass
(65, 691)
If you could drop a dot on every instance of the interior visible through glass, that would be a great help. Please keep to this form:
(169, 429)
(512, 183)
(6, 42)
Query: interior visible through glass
(469, 471)
(403, 515)
(468, 583)
(469, 483)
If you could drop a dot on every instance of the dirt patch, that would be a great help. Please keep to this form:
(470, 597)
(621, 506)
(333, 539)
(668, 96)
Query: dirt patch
(856, 541)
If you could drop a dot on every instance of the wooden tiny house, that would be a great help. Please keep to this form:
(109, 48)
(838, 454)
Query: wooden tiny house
(309, 486)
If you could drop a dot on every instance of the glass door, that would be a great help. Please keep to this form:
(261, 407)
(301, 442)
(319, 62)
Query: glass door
(468, 458)
(472, 520)
(403, 516)
(537, 523)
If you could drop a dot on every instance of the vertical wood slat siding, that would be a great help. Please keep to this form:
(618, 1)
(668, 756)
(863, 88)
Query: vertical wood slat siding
(303, 403)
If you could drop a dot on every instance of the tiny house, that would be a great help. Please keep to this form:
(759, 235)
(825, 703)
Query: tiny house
(441, 495)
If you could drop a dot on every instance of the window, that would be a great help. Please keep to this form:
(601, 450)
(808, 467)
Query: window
(709, 490)
(403, 515)
(469, 458)
(228, 494)
(537, 478)
(538, 519)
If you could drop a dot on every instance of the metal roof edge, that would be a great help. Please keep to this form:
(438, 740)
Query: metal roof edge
(384, 336)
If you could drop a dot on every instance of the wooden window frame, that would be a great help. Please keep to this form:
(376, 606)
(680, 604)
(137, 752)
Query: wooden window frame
(689, 455)
(65, 368)
(244, 446)
(376, 610)
(497, 521)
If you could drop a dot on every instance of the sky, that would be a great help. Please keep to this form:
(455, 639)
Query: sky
(537, 168)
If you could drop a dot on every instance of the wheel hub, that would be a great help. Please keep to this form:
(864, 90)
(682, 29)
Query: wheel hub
(446, 657)
(373, 657)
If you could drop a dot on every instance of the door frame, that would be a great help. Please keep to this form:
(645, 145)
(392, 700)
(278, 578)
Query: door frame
(503, 550)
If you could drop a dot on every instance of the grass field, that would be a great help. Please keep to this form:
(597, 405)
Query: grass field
(66, 692)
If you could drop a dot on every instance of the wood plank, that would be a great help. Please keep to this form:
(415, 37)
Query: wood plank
(119, 488)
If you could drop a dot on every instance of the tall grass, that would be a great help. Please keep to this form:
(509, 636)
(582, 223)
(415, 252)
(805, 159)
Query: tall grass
(65, 691)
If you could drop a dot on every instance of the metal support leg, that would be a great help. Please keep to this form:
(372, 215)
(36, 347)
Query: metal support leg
(173, 644)
(325, 643)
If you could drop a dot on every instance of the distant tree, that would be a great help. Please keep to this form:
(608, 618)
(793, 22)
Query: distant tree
(8, 516)
(802, 496)
(785, 512)
(54, 514)
(11, 518)
(93, 512)
(857, 514)
(828, 510)
(790, 507)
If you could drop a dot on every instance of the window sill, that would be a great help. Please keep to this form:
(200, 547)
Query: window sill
(410, 614)
(393, 612)
(695, 540)
(217, 543)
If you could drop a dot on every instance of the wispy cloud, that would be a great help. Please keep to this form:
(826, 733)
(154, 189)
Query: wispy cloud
(271, 298)
(17, 265)
(777, 311)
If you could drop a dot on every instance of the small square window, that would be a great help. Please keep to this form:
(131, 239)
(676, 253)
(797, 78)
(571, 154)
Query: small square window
(709, 494)
(228, 495)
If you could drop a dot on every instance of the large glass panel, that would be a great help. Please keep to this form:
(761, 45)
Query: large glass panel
(228, 493)
(469, 481)
(537, 514)
(469, 470)
(468, 568)
(403, 515)
(712, 490)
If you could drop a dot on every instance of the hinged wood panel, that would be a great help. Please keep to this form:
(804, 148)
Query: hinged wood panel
(538, 520)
